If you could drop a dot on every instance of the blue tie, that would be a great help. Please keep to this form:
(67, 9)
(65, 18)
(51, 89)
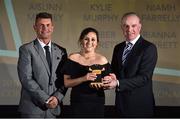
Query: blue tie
(127, 50)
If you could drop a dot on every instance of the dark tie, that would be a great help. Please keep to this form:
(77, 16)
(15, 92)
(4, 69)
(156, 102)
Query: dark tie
(48, 56)
(127, 50)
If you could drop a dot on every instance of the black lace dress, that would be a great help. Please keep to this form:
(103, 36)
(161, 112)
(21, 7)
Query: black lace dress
(85, 101)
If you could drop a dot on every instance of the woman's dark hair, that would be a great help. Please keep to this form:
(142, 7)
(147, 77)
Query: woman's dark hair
(85, 32)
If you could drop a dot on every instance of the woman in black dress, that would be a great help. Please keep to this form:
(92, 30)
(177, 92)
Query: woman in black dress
(83, 72)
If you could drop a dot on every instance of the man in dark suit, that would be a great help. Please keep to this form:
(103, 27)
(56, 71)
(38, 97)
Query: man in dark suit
(39, 72)
(133, 66)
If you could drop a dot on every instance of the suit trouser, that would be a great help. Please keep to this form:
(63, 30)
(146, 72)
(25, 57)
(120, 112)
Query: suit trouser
(45, 114)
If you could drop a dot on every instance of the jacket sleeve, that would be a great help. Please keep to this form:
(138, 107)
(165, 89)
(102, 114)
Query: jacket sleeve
(61, 90)
(114, 62)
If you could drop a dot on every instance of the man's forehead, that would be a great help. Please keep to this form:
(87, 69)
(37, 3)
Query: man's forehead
(132, 19)
(44, 21)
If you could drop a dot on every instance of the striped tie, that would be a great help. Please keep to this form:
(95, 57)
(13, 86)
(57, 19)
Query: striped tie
(127, 50)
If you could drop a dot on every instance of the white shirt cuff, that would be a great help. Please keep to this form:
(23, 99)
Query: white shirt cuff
(117, 83)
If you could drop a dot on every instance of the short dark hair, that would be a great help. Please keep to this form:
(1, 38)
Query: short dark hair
(86, 31)
(129, 14)
(43, 15)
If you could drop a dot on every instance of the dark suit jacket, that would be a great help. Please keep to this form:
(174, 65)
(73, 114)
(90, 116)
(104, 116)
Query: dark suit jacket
(134, 96)
(38, 81)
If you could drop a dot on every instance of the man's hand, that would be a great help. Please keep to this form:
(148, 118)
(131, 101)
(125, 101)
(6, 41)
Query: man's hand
(52, 102)
(110, 81)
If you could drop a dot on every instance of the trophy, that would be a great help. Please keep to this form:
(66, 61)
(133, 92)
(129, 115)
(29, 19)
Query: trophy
(97, 69)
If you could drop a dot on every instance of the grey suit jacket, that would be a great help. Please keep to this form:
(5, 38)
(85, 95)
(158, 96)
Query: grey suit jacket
(38, 83)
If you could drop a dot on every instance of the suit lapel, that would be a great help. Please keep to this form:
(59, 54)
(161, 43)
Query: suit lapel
(56, 57)
(134, 50)
(121, 52)
(42, 55)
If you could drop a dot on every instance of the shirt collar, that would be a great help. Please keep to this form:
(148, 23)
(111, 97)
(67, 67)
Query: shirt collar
(42, 44)
(134, 40)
